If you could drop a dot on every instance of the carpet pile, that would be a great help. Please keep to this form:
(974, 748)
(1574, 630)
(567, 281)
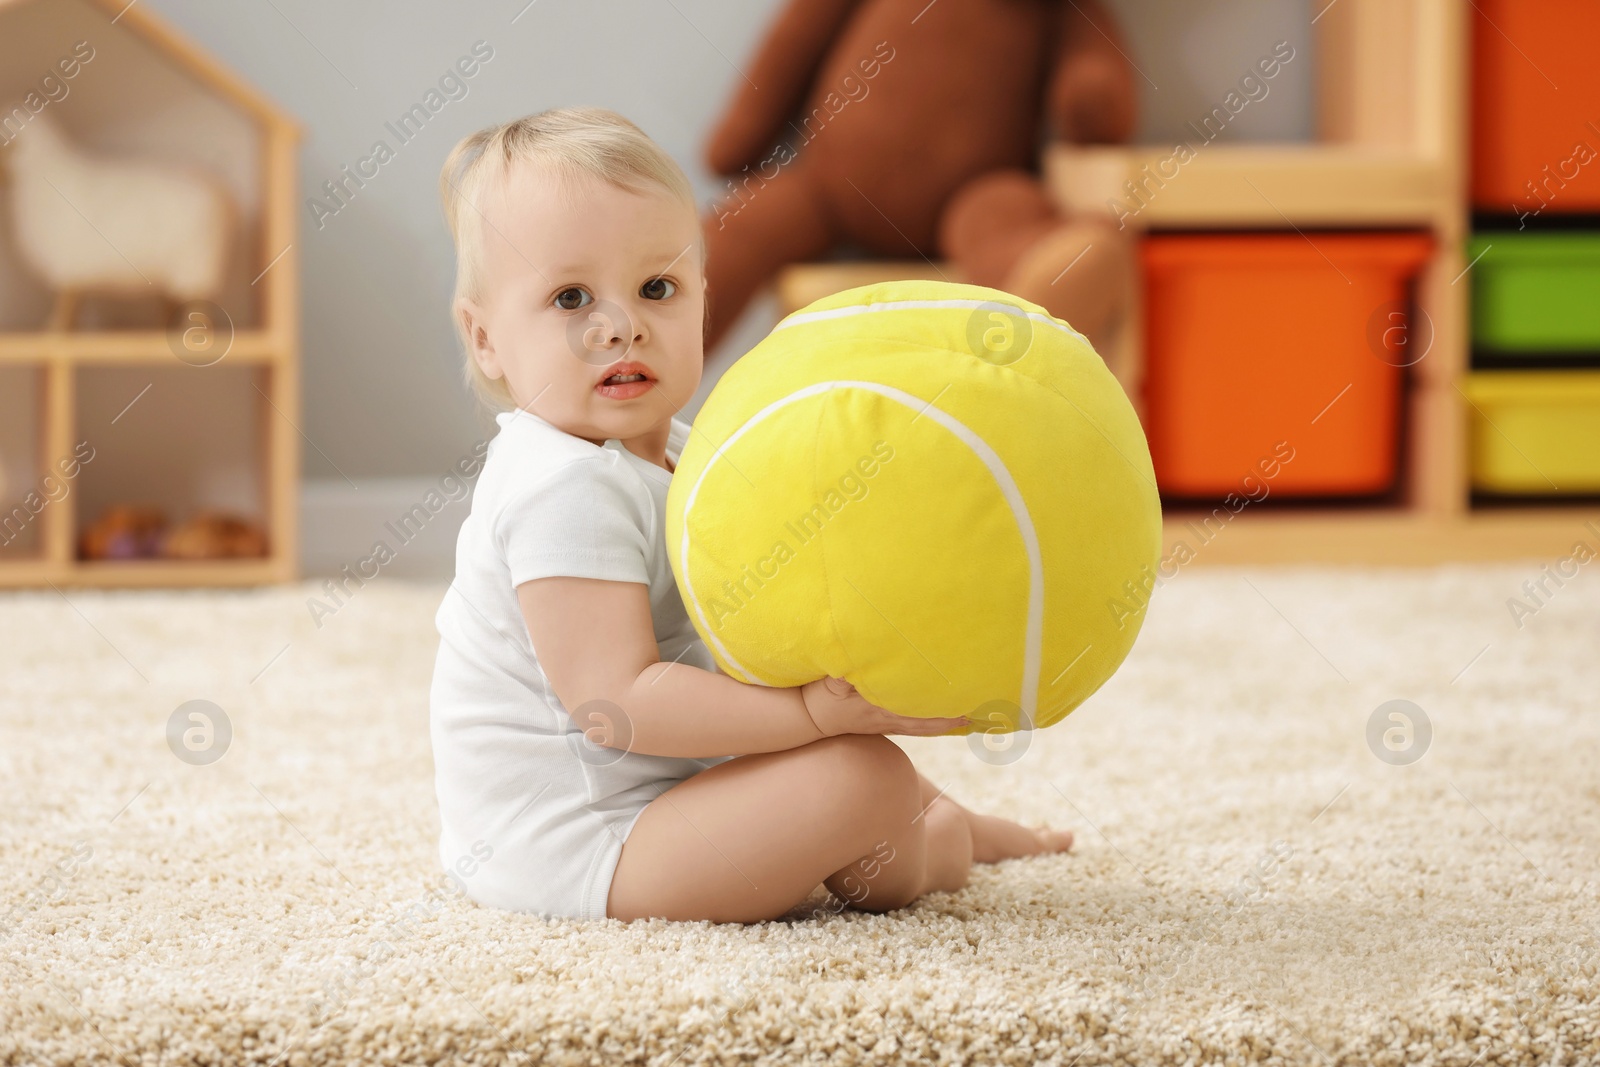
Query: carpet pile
(1271, 867)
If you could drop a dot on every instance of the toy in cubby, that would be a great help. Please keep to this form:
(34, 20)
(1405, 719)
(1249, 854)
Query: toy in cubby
(139, 531)
(176, 222)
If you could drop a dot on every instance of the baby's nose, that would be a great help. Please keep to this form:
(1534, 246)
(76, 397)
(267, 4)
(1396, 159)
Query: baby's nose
(629, 330)
(610, 325)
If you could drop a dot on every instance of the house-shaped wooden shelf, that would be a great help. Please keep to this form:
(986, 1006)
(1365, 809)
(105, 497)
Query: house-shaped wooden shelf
(175, 412)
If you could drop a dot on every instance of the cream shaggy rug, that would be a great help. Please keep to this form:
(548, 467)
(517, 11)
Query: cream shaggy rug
(1251, 883)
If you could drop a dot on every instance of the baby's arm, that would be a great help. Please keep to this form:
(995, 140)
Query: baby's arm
(595, 641)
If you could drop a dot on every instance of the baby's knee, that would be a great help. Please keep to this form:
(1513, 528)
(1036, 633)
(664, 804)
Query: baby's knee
(871, 767)
(866, 752)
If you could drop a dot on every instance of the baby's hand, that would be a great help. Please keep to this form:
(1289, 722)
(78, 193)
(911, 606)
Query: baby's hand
(837, 708)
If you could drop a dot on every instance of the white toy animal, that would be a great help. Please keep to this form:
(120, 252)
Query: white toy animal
(94, 224)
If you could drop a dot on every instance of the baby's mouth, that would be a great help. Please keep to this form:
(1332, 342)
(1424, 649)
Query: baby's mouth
(626, 385)
(630, 379)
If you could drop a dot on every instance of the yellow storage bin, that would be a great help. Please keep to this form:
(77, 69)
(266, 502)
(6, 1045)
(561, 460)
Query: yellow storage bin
(1535, 432)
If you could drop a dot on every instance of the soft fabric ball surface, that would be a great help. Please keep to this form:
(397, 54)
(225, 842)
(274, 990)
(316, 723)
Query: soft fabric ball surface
(935, 491)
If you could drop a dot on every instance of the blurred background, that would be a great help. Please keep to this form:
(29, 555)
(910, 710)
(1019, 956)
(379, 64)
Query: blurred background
(1344, 257)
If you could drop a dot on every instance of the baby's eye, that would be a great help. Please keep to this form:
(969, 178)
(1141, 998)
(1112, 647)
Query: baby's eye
(649, 289)
(562, 298)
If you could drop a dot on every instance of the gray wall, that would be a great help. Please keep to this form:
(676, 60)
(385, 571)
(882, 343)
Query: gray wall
(382, 393)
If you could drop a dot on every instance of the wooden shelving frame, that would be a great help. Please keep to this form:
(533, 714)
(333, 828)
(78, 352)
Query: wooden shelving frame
(1391, 153)
(271, 349)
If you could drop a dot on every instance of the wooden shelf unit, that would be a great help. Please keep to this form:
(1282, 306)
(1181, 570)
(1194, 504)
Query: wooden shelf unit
(1391, 153)
(1274, 187)
(124, 347)
(270, 347)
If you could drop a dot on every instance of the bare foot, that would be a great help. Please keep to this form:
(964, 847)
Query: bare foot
(995, 839)
(1054, 840)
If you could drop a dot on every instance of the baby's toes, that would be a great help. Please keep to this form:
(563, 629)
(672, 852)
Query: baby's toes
(1054, 840)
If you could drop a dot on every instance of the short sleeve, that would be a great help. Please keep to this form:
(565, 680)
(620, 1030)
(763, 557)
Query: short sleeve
(583, 520)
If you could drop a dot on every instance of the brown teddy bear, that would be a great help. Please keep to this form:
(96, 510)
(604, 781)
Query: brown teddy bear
(913, 128)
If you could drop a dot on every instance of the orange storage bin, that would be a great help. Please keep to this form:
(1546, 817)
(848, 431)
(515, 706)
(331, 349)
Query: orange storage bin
(1535, 88)
(1262, 346)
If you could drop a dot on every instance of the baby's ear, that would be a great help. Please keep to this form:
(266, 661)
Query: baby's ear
(475, 329)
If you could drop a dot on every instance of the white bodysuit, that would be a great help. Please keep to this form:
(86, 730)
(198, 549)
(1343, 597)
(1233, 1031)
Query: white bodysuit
(534, 815)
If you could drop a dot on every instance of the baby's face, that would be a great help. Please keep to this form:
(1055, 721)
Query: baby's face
(584, 281)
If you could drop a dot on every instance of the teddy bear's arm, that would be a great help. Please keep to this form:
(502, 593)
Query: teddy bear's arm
(775, 83)
(1092, 96)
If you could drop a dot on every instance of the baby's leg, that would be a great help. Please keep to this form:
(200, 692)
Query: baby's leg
(748, 839)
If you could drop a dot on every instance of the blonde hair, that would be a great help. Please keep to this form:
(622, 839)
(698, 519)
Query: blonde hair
(572, 142)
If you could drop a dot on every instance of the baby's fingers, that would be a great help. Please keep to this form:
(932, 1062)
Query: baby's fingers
(931, 727)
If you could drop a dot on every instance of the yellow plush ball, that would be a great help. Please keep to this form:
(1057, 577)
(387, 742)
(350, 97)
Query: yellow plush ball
(935, 491)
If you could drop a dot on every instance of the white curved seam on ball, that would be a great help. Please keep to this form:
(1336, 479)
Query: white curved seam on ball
(918, 305)
(1009, 489)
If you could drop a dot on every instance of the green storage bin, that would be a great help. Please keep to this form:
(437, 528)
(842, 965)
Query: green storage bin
(1536, 292)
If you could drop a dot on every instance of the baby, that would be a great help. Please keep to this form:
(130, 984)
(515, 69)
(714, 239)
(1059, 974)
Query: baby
(590, 760)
